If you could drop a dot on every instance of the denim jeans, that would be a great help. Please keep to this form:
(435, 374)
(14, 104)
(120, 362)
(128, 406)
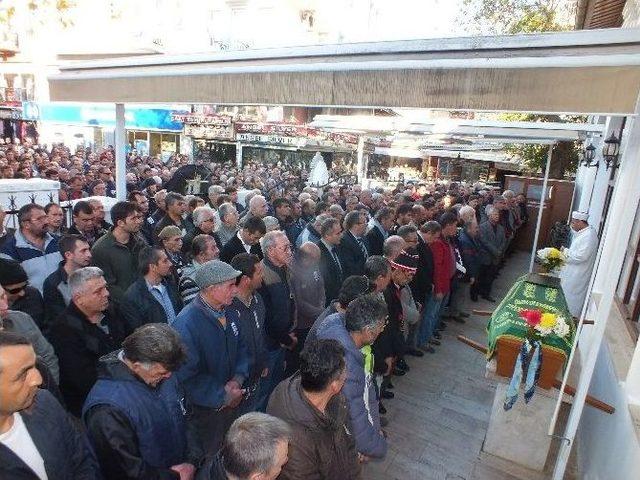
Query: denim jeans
(430, 318)
(275, 362)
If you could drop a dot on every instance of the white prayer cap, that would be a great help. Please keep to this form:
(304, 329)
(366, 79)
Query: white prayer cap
(576, 215)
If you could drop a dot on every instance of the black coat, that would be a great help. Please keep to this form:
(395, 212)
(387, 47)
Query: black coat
(52, 295)
(422, 282)
(141, 307)
(79, 344)
(32, 304)
(390, 342)
(64, 450)
(331, 274)
(375, 241)
(351, 256)
(234, 246)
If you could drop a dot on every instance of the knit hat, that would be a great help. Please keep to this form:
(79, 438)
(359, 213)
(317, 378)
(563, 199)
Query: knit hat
(406, 262)
(169, 231)
(214, 272)
(580, 216)
(11, 272)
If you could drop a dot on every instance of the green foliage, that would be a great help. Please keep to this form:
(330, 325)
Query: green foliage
(496, 17)
(565, 156)
(40, 11)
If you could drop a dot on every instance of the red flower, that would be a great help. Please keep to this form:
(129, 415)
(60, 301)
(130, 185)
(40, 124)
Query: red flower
(532, 317)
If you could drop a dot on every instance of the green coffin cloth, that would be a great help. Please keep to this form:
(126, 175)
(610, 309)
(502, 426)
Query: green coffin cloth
(530, 292)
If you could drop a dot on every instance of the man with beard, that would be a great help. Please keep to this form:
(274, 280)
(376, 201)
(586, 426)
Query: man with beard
(176, 208)
(116, 252)
(33, 246)
(142, 202)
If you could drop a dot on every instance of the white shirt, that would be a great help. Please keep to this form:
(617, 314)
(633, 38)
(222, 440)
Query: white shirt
(19, 441)
(246, 246)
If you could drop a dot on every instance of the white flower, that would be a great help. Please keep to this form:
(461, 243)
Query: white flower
(561, 327)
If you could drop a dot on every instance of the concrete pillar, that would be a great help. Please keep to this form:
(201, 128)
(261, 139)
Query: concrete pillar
(121, 160)
(239, 155)
(360, 169)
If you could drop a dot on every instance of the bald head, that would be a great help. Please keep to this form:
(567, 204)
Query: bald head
(309, 252)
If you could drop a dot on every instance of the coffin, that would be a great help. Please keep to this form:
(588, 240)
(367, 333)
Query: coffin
(506, 330)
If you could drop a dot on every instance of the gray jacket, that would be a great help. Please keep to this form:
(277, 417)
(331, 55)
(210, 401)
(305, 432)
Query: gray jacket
(493, 242)
(20, 322)
(308, 291)
(358, 390)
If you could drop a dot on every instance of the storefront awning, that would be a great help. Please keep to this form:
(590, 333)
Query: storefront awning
(571, 72)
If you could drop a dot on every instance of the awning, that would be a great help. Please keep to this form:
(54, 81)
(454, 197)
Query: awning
(572, 72)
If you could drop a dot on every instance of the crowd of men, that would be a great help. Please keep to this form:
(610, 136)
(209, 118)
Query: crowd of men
(203, 337)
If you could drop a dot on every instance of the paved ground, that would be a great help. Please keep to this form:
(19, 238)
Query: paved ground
(439, 416)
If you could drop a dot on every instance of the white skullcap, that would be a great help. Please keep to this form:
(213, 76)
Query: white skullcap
(580, 216)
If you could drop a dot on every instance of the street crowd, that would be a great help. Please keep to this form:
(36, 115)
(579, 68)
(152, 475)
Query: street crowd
(225, 336)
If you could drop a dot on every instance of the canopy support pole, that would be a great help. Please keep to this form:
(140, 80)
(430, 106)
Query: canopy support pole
(360, 156)
(619, 224)
(543, 197)
(121, 157)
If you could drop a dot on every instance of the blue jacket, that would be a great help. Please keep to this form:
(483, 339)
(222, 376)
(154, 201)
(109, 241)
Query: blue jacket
(156, 415)
(358, 390)
(141, 307)
(38, 264)
(250, 319)
(215, 354)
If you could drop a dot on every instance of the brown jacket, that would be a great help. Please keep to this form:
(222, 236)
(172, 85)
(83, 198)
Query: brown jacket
(321, 446)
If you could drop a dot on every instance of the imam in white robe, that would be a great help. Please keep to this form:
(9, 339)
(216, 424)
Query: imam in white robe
(575, 275)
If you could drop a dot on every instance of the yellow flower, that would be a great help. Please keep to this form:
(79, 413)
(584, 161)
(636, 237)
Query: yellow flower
(548, 320)
(554, 253)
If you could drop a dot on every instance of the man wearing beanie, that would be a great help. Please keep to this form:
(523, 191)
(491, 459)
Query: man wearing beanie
(217, 360)
(20, 295)
(390, 345)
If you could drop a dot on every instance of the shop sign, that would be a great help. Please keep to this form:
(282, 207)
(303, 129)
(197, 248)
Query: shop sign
(30, 111)
(209, 132)
(252, 138)
(98, 115)
(201, 119)
(332, 139)
(279, 129)
(10, 114)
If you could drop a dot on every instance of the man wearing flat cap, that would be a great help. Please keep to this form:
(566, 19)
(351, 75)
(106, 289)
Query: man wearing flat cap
(581, 255)
(217, 360)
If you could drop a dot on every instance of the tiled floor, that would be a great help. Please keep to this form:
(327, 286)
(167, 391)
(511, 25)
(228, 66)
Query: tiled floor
(440, 413)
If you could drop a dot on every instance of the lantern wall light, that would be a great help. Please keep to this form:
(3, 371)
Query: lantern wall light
(611, 151)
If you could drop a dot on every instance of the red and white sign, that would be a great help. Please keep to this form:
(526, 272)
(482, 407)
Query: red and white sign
(200, 119)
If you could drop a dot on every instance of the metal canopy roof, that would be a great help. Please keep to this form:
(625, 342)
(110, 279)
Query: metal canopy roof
(482, 130)
(571, 72)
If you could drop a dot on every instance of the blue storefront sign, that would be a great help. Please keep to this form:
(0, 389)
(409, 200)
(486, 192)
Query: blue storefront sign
(99, 115)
